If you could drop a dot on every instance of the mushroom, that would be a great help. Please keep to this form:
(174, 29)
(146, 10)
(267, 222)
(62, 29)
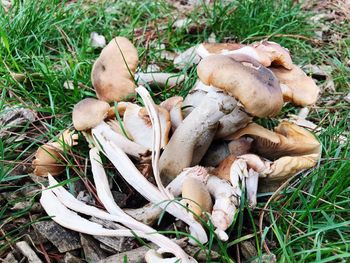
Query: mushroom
(90, 113)
(196, 197)
(290, 149)
(48, 158)
(287, 139)
(296, 86)
(224, 194)
(112, 72)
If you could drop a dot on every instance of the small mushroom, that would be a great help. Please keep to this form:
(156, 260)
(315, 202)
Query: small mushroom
(296, 86)
(196, 197)
(90, 113)
(255, 87)
(48, 158)
(112, 72)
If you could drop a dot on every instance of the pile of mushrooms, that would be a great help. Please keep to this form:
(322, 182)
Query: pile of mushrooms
(204, 147)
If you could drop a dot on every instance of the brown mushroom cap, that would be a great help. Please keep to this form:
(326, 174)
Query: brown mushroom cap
(196, 196)
(288, 139)
(48, 158)
(256, 88)
(112, 72)
(299, 88)
(88, 113)
(46, 161)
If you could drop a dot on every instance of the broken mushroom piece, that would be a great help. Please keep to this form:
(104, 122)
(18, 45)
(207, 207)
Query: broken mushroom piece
(112, 73)
(48, 158)
(196, 197)
(90, 113)
(296, 86)
(256, 88)
(173, 106)
(138, 124)
(159, 78)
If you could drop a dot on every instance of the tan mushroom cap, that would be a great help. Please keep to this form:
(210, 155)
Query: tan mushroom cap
(112, 73)
(138, 125)
(196, 197)
(88, 113)
(287, 166)
(255, 87)
(48, 159)
(274, 54)
(288, 139)
(296, 86)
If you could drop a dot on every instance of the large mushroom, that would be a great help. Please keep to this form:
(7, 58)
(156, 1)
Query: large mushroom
(112, 73)
(255, 88)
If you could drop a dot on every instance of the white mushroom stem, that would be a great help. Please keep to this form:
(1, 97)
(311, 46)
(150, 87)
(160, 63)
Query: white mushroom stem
(156, 138)
(159, 78)
(251, 184)
(57, 200)
(130, 173)
(129, 147)
(193, 137)
(225, 206)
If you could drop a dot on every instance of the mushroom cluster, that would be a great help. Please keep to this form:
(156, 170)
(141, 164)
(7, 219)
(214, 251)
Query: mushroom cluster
(204, 148)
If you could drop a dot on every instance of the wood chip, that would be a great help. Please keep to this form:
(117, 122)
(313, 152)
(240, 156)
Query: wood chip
(62, 238)
(26, 250)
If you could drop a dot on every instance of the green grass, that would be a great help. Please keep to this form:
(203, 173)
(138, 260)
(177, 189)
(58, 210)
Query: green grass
(48, 42)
